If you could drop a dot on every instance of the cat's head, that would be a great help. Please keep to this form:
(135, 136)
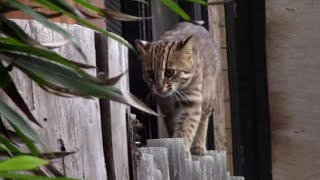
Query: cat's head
(167, 65)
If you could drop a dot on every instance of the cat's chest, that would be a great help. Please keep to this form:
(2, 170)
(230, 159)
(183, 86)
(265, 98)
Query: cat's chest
(169, 105)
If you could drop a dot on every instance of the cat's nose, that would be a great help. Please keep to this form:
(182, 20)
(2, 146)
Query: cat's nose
(158, 87)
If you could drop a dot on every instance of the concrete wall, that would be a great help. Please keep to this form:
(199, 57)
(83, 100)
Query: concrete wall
(293, 41)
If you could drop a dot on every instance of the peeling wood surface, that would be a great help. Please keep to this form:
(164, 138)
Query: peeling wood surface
(175, 155)
(145, 167)
(293, 41)
(69, 124)
(160, 159)
(118, 63)
(216, 20)
(209, 167)
(112, 59)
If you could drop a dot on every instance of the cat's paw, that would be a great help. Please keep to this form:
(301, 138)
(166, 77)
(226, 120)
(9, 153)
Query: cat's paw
(198, 151)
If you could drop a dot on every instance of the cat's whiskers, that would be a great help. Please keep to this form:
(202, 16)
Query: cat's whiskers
(172, 99)
(186, 96)
(182, 96)
(177, 99)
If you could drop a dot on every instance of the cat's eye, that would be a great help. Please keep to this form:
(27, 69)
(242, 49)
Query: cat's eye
(151, 75)
(169, 73)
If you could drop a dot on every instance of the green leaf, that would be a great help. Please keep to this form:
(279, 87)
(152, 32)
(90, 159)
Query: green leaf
(202, 2)
(10, 28)
(10, 146)
(11, 45)
(14, 118)
(107, 13)
(54, 7)
(10, 89)
(141, 1)
(22, 163)
(43, 20)
(55, 155)
(177, 9)
(66, 6)
(5, 78)
(54, 76)
(31, 177)
(31, 146)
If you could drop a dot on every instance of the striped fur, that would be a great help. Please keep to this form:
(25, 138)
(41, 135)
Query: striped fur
(181, 69)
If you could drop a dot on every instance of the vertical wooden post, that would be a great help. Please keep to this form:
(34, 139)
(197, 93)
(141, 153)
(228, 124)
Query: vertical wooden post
(175, 154)
(112, 60)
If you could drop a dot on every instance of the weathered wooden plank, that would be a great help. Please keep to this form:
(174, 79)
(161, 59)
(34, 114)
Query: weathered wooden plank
(220, 163)
(217, 165)
(160, 159)
(196, 171)
(192, 170)
(215, 20)
(118, 63)
(188, 169)
(237, 178)
(112, 60)
(157, 175)
(206, 166)
(145, 170)
(228, 176)
(132, 126)
(175, 155)
(71, 124)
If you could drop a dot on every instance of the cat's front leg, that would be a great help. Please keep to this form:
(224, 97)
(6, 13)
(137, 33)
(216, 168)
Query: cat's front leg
(187, 125)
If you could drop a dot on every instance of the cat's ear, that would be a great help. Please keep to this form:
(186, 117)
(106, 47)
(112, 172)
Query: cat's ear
(186, 44)
(142, 46)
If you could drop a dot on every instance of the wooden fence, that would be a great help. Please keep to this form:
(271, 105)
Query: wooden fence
(163, 159)
(94, 129)
(97, 130)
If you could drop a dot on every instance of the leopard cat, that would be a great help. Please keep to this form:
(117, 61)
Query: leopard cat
(181, 69)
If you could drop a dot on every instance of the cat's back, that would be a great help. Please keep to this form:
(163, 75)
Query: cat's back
(184, 30)
(203, 44)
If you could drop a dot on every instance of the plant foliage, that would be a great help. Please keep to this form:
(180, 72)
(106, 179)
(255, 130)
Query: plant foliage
(53, 73)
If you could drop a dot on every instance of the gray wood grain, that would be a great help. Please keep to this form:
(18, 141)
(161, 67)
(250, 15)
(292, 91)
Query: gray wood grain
(206, 166)
(118, 63)
(145, 170)
(69, 124)
(237, 178)
(160, 159)
(220, 163)
(217, 164)
(192, 170)
(157, 175)
(175, 155)
(112, 60)
(228, 176)
(196, 171)
(188, 169)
